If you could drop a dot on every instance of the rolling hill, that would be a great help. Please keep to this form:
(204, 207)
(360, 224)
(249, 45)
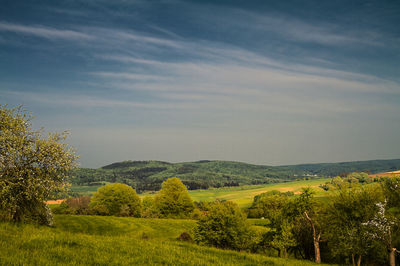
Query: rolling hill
(148, 175)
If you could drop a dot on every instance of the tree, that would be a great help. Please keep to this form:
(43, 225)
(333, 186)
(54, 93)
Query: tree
(346, 217)
(224, 226)
(173, 199)
(32, 167)
(268, 204)
(385, 225)
(380, 228)
(281, 212)
(117, 199)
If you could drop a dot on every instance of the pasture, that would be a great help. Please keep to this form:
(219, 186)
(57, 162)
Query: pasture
(244, 195)
(96, 240)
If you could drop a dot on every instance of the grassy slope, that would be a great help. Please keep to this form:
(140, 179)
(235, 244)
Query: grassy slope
(88, 240)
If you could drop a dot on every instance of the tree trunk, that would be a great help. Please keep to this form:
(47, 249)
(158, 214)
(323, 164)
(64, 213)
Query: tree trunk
(352, 259)
(316, 239)
(359, 260)
(392, 257)
(316, 250)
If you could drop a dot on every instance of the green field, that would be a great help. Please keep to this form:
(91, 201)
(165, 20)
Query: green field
(84, 190)
(244, 195)
(96, 240)
(148, 175)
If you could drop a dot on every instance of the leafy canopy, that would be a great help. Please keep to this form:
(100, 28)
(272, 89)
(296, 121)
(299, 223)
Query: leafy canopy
(224, 226)
(173, 200)
(116, 199)
(32, 167)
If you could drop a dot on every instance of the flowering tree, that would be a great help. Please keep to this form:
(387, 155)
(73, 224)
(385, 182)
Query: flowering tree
(31, 167)
(381, 227)
(347, 214)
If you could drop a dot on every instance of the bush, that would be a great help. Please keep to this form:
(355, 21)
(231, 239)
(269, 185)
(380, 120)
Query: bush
(116, 199)
(149, 209)
(173, 200)
(185, 236)
(224, 226)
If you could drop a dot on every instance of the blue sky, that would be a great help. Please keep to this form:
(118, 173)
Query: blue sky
(265, 82)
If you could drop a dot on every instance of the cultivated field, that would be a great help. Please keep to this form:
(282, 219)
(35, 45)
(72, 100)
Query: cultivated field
(244, 195)
(96, 240)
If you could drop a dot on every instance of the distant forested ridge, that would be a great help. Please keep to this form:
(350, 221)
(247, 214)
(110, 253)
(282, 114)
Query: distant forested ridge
(148, 175)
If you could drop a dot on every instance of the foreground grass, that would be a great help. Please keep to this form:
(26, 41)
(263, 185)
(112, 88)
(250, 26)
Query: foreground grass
(89, 240)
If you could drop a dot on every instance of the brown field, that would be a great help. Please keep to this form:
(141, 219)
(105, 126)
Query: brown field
(387, 174)
(51, 202)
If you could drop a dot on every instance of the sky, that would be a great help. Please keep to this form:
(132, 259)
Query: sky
(263, 82)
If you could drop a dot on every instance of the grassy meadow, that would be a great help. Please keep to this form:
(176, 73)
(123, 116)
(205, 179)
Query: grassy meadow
(244, 195)
(97, 240)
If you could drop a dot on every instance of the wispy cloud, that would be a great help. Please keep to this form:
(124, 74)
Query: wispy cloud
(287, 26)
(44, 32)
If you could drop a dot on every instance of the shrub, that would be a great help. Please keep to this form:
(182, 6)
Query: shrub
(61, 209)
(173, 200)
(116, 199)
(79, 205)
(185, 236)
(224, 226)
(149, 210)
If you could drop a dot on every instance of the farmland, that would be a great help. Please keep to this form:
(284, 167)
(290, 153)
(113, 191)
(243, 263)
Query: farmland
(148, 175)
(244, 195)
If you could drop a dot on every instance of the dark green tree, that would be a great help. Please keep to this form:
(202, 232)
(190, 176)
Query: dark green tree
(311, 211)
(281, 213)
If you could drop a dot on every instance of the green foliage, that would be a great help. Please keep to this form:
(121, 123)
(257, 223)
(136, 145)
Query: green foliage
(79, 205)
(348, 181)
(149, 209)
(347, 214)
(281, 212)
(391, 190)
(32, 167)
(224, 226)
(268, 204)
(116, 199)
(148, 175)
(336, 169)
(96, 240)
(173, 200)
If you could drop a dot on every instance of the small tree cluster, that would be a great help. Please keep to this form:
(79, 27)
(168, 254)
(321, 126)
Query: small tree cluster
(349, 180)
(78, 205)
(357, 224)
